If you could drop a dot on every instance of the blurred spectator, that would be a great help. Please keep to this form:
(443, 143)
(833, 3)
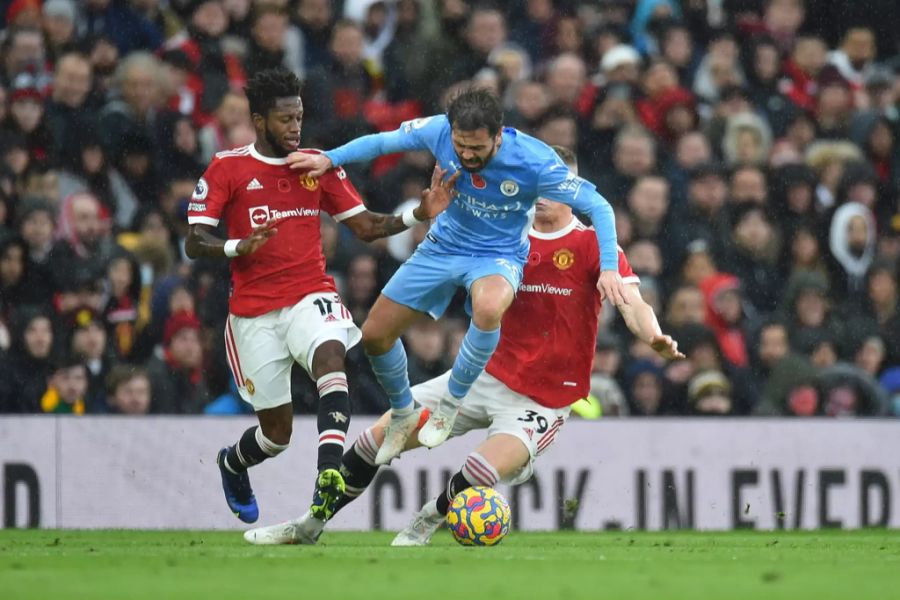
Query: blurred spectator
(28, 364)
(267, 48)
(128, 390)
(229, 128)
(648, 204)
(88, 342)
(66, 387)
(725, 316)
(890, 381)
(176, 377)
(58, 22)
(747, 140)
(852, 244)
(118, 20)
(68, 110)
(644, 388)
(806, 303)
(84, 244)
(686, 305)
(24, 52)
(753, 254)
(334, 93)
(558, 127)
(427, 342)
(709, 393)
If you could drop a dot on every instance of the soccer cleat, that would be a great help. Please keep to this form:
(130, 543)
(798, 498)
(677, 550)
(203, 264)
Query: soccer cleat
(238, 493)
(439, 425)
(329, 489)
(395, 435)
(421, 528)
(305, 530)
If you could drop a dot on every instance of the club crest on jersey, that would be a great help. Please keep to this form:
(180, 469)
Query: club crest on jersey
(309, 183)
(248, 384)
(258, 216)
(201, 190)
(563, 259)
(478, 181)
(509, 188)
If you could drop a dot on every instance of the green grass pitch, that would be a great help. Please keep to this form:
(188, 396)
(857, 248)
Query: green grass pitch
(156, 565)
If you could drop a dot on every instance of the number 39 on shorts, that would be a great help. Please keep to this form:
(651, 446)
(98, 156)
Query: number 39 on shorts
(532, 416)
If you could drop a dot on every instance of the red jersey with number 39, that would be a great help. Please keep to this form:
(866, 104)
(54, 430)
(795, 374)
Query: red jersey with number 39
(548, 335)
(247, 189)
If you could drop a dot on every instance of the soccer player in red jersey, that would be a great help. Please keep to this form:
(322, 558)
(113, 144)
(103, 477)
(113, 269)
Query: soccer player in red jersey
(541, 367)
(283, 307)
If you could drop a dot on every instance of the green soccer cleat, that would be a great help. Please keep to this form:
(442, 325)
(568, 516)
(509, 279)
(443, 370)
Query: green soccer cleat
(329, 489)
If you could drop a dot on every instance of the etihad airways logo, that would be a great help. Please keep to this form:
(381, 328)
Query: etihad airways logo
(545, 288)
(260, 214)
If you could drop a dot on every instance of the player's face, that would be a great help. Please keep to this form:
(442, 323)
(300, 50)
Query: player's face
(475, 148)
(283, 125)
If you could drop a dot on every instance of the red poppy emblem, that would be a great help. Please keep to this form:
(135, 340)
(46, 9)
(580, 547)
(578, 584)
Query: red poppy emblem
(478, 181)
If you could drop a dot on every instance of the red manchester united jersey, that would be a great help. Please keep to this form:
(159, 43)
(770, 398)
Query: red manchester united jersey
(548, 334)
(246, 189)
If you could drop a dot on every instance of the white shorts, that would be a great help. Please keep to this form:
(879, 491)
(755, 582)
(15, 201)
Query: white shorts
(261, 350)
(493, 406)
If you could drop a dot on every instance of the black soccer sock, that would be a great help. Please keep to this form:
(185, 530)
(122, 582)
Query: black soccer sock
(476, 471)
(253, 448)
(333, 420)
(358, 468)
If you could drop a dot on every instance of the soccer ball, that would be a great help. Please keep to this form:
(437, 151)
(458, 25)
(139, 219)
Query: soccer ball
(479, 516)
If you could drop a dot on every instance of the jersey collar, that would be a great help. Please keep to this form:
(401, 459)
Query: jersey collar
(266, 159)
(555, 235)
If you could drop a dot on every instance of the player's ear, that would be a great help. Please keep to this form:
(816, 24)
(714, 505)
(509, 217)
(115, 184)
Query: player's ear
(259, 121)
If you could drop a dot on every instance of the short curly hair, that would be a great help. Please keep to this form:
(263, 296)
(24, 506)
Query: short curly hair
(268, 85)
(476, 108)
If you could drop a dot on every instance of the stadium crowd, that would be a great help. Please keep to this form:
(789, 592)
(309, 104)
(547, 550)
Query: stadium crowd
(749, 147)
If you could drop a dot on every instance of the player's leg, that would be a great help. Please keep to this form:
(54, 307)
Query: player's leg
(318, 331)
(261, 365)
(423, 285)
(491, 294)
(332, 421)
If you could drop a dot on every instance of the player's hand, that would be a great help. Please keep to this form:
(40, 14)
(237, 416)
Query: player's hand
(611, 286)
(314, 165)
(437, 198)
(257, 239)
(666, 347)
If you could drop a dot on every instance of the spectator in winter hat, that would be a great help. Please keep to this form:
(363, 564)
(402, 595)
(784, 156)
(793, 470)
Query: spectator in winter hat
(176, 378)
(58, 23)
(725, 316)
(621, 64)
(709, 393)
(89, 344)
(852, 237)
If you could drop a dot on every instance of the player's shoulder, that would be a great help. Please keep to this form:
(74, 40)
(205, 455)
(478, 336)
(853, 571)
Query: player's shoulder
(229, 155)
(433, 124)
(533, 149)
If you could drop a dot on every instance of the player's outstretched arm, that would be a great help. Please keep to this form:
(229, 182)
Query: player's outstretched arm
(369, 226)
(203, 242)
(642, 322)
(412, 135)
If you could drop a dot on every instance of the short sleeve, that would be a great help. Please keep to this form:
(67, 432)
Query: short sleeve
(339, 196)
(556, 182)
(423, 133)
(625, 269)
(210, 195)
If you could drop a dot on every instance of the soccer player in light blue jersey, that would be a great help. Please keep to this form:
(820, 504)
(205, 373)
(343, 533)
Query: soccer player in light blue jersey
(480, 242)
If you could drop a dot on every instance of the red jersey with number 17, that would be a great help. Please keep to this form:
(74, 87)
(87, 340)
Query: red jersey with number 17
(247, 189)
(548, 335)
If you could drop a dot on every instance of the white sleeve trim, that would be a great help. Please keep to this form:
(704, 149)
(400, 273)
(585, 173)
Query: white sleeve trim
(349, 213)
(632, 279)
(203, 221)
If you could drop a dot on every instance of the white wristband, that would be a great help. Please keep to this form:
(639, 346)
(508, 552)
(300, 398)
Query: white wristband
(231, 248)
(409, 217)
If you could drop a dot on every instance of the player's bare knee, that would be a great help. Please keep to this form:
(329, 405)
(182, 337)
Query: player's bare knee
(488, 313)
(279, 432)
(375, 341)
(330, 360)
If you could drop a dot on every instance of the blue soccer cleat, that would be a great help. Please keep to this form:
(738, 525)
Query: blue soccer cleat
(238, 492)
